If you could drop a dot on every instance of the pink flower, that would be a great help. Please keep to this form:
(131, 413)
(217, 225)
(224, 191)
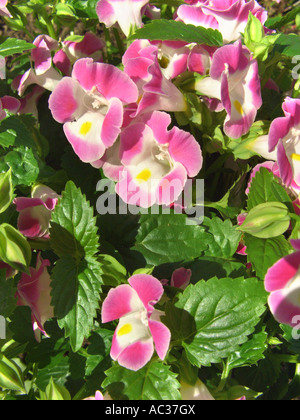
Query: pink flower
(230, 17)
(180, 278)
(35, 212)
(90, 105)
(3, 9)
(90, 46)
(156, 162)
(234, 79)
(139, 329)
(34, 290)
(10, 103)
(156, 92)
(128, 13)
(43, 73)
(283, 283)
(284, 136)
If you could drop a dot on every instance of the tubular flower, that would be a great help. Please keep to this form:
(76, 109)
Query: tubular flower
(148, 65)
(139, 329)
(156, 162)
(3, 9)
(90, 46)
(34, 290)
(284, 136)
(35, 212)
(10, 103)
(90, 105)
(283, 283)
(128, 13)
(43, 74)
(230, 17)
(234, 79)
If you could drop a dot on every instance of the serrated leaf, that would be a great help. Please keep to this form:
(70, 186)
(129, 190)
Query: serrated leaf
(13, 46)
(168, 238)
(211, 319)
(170, 30)
(264, 253)
(24, 166)
(75, 297)
(225, 238)
(154, 382)
(73, 225)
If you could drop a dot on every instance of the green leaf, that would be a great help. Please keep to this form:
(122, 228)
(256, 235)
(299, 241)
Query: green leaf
(265, 188)
(55, 392)
(73, 225)
(212, 319)
(154, 382)
(168, 238)
(84, 8)
(6, 191)
(13, 46)
(225, 238)
(280, 21)
(7, 295)
(264, 253)
(15, 131)
(11, 376)
(24, 166)
(113, 272)
(170, 30)
(288, 45)
(76, 293)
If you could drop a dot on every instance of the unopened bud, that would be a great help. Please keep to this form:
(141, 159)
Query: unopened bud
(14, 248)
(267, 220)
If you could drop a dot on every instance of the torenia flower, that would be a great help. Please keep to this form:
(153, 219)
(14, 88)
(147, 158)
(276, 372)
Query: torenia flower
(90, 46)
(43, 73)
(180, 278)
(230, 17)
(3, 9)
(90, 105)
(234, 79)
(139, 329)
(150, 67)
(128, 13)
(35, 212)
(156, 162)
(10, 103)
(283, 282)
(34, 290)
(284, 136)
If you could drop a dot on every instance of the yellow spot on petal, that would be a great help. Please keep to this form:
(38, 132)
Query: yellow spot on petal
(126, 329)
(144, 176)
(239, 108)
(85, 128)
(295, 156)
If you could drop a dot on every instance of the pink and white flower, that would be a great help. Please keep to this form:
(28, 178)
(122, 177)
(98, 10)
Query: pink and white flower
(230, 17)
(284, 136)
(139, 329)
(3, 9)
(156, 162)
(10, 104)
(90, 104)
(234, 80)
(35, 212)
(90, 46)
(156, 92)
(43, 73)
(128, 13)
(34, 290)
(283, 283)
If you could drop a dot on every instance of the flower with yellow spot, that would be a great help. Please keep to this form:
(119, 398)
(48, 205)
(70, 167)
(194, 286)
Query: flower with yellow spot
(139, 330)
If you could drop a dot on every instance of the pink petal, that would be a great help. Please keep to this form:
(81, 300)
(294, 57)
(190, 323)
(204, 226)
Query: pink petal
(148, 288)
(161, 337)
(112, 123)
(181, 278)
(283, 310)
(172, 185)
(119, 302)
(108, 79)
(137, 355)
(66, 100)
(282, 272)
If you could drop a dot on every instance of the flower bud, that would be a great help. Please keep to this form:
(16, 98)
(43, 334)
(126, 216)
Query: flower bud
(14, 248)
(10, 375)
(267, 220)
(6, 191)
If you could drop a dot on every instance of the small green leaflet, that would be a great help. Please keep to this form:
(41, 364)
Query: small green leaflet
(169, 30)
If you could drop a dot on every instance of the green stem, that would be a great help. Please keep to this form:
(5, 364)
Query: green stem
(119, 41)
(224, 377)
(49, 24)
